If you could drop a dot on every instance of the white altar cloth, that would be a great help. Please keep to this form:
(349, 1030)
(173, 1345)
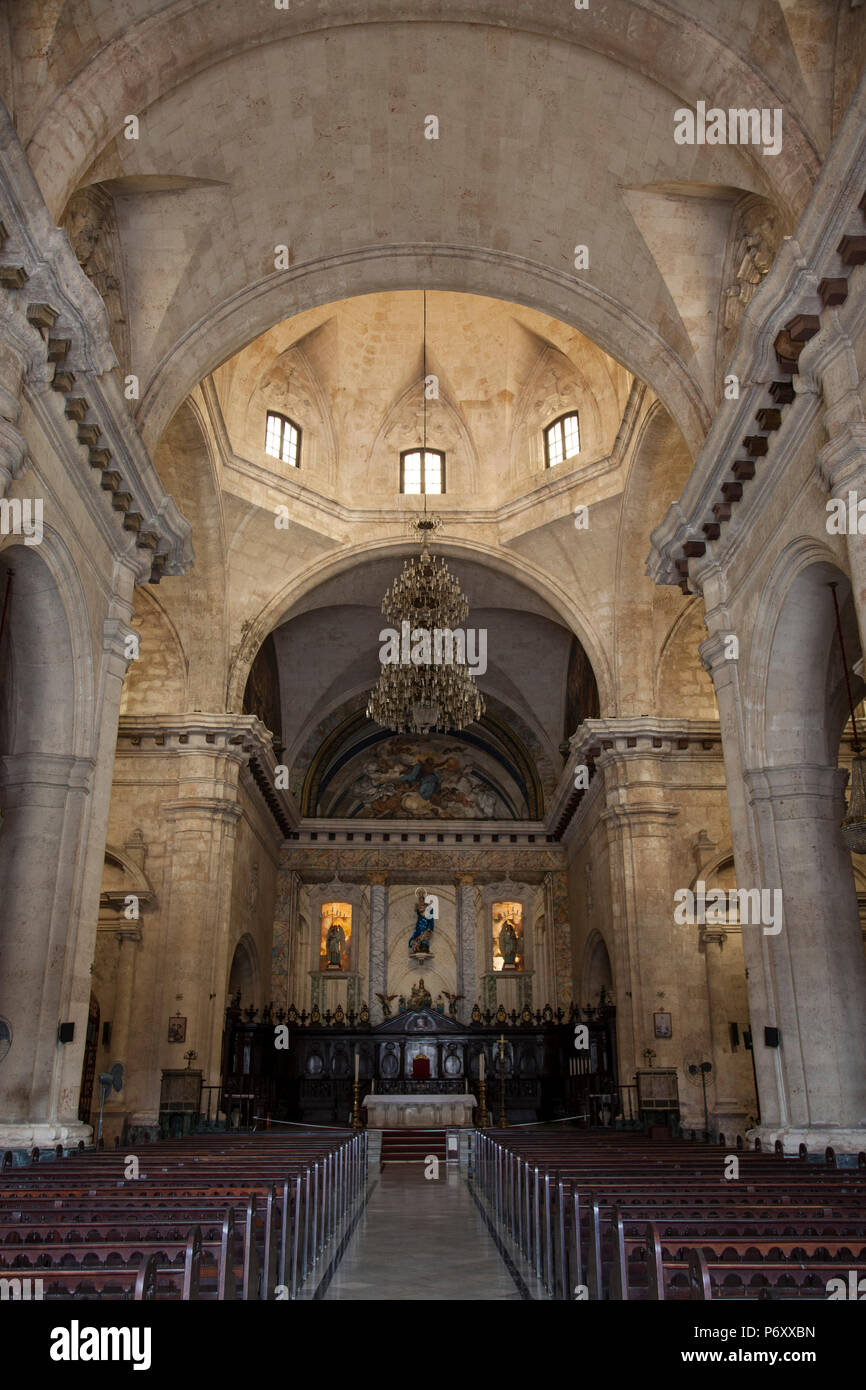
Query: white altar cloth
(419, 1111)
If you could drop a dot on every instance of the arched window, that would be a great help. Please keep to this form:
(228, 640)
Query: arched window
(562, 439)
(422, 471)
(283, 439)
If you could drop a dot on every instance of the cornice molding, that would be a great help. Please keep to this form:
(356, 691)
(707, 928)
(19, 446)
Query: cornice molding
(55, 321)
(681, 549)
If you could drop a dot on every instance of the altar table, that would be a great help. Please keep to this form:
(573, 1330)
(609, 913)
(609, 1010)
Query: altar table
(419, 1111)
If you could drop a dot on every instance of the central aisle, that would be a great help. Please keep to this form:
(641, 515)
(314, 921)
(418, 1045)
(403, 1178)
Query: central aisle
(423, 1239)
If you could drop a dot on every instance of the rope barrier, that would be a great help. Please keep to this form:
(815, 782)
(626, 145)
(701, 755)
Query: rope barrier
(299, 1124)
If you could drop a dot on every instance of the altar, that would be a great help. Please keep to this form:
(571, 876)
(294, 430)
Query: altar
(426, 1111)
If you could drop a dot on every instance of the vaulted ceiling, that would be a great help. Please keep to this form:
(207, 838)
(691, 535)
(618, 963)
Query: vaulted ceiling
(304, 128)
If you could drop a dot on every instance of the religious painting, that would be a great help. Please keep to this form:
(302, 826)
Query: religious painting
(507, 921)
(663, 1025)
(426, 778)
(177, 1029)
(336, 936)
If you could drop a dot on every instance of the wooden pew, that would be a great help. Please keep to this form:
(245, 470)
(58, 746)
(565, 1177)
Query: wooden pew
(558, 1197)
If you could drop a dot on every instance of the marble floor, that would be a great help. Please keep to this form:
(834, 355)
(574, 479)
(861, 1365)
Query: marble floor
(421, 1240)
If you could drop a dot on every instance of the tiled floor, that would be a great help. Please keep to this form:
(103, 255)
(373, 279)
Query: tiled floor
(421, 1240)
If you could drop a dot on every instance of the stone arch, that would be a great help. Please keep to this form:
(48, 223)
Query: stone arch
(186, 461)
(244, 972)
(36, 715)
(715, 868)
(597, 971)
(157, 679)
(252, 311)
(122, 877)
(57, 614)
(658, 466)
(128, 72)
(681, 683)
(279, 609)
(795, 712)
(795, 699)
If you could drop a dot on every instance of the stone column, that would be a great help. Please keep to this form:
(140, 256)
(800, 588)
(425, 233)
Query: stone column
(648, 946)
(726, 681)
(467, 929)
(731, 1075)
(645, 763)
(81, 936)
(377, 981)
(198, 758)
(286, 930)
(127, 946)
(44, 797)
(201, 847)
(559, 936)
(815, 964)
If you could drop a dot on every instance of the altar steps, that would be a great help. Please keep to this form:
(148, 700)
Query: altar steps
(412, 1145)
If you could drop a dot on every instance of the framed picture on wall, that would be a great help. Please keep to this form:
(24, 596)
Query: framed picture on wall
(177, 1029)
(663, 1025)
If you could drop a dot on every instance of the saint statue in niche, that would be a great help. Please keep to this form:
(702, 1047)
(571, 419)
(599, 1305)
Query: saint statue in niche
(508, 945)
(335, 944)
(420, 997)
(424, 923)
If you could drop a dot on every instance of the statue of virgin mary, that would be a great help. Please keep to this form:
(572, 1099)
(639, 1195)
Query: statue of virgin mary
(424, 924)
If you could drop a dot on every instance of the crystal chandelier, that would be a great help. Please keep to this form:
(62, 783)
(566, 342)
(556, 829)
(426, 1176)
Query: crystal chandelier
(854, 823)
(425, 688)
(426, 684)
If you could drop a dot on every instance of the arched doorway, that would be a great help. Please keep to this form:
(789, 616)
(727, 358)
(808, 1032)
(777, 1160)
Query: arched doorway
(243, 973)
(597, 972)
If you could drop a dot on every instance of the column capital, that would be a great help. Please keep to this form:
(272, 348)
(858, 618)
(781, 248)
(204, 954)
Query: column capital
(638, 736)
(238, 736)
(41, 775)
(714, 656)
(841, 463)
(127, 934)
(377, 879)
(794, 790)
(206, 808)
(710, 936)
(464, 880)
(116, 644)
(640, 816)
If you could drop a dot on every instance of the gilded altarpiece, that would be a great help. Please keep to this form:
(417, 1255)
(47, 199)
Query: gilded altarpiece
(535, 876)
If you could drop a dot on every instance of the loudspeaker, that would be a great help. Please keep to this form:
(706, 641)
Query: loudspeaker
(747, 1039)
(106, 1035)
(66, 1032)
(734, 1029)
(771, 1037)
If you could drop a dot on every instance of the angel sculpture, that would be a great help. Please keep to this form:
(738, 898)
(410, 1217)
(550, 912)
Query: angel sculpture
(385, 1001)
(453, 1001)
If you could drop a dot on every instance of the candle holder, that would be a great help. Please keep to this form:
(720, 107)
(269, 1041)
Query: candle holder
(356, 1105)
(483, 1117)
